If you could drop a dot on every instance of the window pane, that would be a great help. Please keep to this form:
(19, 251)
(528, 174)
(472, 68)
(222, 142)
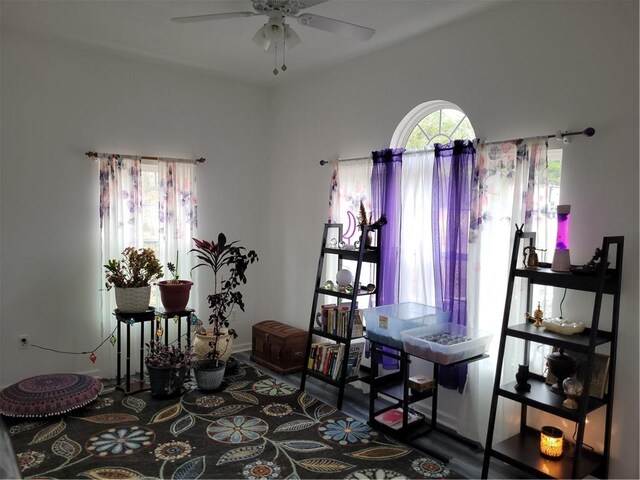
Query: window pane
(441, 126)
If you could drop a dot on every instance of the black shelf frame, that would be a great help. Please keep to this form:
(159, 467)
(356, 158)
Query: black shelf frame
(521, 450)
(363, 254)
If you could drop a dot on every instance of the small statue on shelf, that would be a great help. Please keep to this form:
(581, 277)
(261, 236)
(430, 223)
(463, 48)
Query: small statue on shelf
(538, 315)
(592, 267)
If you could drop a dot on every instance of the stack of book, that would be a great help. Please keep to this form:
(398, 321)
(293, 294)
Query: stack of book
(327, 359)
(393, 417)
(335, 320)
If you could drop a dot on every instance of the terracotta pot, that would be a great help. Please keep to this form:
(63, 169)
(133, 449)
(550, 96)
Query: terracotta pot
(133, 300)
(201, 344)
(174, 296)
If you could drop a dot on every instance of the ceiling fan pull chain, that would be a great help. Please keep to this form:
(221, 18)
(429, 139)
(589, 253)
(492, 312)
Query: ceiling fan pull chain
(284, 46)
(275, 59)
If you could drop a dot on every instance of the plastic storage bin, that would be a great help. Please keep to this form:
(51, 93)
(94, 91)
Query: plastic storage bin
(420, 343)
(384, 324)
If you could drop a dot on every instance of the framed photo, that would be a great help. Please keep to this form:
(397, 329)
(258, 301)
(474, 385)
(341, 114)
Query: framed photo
(599, 376)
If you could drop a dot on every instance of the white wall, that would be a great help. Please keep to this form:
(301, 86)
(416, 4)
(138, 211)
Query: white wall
(59, 101)
(520, 70)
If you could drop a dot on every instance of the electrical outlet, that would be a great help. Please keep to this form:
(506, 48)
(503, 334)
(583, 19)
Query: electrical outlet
(24, 341)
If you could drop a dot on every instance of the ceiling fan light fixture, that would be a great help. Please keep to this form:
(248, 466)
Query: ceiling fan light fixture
(270, 35)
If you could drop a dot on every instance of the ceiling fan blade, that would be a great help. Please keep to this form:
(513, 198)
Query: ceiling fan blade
(310, 3)
(212, 16)
(335, 26)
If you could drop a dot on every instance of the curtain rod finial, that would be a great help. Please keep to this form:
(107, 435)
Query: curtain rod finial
(201, 160)
(589, 132)
(323, 162)
(91, 154)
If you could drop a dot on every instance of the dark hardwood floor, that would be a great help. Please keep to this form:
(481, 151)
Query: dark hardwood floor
(464, 458)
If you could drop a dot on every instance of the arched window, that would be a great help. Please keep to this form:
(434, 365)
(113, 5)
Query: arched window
(437, 121)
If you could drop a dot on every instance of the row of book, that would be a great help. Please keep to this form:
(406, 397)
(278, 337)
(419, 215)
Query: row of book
(327, 358)
(335, 320)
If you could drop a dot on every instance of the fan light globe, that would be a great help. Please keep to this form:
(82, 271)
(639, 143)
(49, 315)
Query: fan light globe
(344, 277)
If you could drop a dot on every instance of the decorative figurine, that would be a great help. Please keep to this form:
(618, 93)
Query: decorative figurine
(538, 315)
(521, 377)
(572, 389)
(592, 267)
(531, 262)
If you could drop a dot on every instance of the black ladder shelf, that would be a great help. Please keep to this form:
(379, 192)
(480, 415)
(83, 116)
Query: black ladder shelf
(522, 450)
(362, 254)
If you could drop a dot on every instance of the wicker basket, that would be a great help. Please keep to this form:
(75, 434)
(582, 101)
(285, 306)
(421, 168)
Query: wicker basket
(133, 300)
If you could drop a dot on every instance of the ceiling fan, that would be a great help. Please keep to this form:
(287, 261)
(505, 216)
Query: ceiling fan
(276, 33)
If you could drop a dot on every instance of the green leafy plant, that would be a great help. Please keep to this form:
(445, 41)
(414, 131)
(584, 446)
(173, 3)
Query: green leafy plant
(173, 269)
(229, 263)
(137, 268)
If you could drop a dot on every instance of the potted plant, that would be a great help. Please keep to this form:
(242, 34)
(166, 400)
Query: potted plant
(229, 263)
(174, 293)
(132, 276)
(168, 366)
(364, 220)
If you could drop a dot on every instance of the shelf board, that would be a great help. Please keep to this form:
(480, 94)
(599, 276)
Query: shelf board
(542, 398)
(588, 283)
(522, 451)
(578, 342)
(335, 338)
(370, 255)
(362, 376)
(396, 392)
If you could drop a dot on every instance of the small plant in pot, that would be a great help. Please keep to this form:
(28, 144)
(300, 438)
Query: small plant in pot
(132, 276)
(168, 366)
(364, 221)
(229, 263)
(174, 293)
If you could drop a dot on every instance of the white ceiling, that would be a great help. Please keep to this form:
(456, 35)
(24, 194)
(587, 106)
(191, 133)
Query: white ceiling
(143, 27)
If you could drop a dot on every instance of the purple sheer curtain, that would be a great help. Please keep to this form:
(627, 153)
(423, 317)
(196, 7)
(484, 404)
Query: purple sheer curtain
(452, 177)
(386, 181)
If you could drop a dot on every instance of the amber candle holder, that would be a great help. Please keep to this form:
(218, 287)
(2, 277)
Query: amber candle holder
(551, 442)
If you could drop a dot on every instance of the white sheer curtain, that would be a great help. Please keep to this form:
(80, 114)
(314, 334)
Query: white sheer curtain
(416, 249)
(178, 216)
(120, 227)
(122, 222)
(511, 189)
(351, 183)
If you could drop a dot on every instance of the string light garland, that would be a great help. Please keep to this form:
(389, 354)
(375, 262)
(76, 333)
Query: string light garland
(193, 319)
(92, 353)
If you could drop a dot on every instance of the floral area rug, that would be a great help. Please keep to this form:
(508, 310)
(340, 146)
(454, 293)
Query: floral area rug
(256, 428)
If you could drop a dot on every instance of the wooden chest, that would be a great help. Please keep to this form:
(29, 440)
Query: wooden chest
(278, 346)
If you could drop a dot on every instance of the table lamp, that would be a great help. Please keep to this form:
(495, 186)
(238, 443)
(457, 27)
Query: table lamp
(561, 261)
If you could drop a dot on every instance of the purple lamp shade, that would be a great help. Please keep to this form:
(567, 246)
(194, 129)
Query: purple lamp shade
(562, 238)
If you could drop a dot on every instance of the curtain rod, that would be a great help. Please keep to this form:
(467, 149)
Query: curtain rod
(143, 157)
(587, 132)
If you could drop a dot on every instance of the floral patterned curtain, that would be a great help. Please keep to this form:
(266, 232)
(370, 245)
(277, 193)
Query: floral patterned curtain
(510, 187)
(178, 215)
(122, 222)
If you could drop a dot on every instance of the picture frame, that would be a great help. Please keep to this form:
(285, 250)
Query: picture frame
(599, 376)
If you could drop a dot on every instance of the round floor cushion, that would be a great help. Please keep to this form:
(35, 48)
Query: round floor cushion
(46, 395)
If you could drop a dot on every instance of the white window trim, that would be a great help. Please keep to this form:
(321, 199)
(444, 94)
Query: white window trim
(408, 123)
